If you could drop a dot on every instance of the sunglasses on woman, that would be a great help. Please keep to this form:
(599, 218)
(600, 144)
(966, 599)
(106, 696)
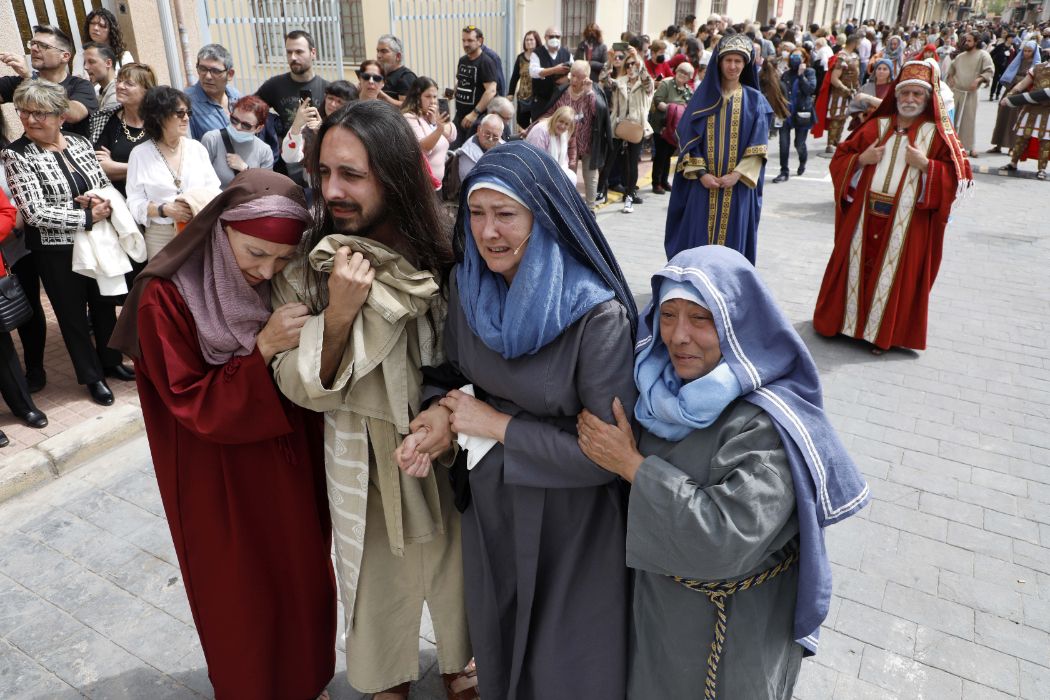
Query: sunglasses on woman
(372, 77)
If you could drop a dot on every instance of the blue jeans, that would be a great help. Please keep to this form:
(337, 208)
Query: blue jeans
(801, 134)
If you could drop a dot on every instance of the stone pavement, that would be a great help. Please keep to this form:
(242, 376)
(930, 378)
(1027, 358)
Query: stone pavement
(65, 402)
(942, 585)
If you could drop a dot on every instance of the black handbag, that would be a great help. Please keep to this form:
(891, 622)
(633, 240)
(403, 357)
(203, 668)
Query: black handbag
(14, 306)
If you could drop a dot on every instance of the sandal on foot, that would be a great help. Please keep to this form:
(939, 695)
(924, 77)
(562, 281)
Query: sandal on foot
(1008, 168)
(461, 686)
(1041, 175)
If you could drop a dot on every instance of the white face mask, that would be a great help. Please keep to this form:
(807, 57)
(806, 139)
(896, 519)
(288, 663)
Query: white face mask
(553, 44)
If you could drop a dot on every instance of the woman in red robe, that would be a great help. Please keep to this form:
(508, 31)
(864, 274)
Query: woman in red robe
(240, 469)
(890, 217)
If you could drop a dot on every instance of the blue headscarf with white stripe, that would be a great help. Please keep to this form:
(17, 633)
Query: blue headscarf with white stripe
(566, 270)
(1015, 65)
(776, 373)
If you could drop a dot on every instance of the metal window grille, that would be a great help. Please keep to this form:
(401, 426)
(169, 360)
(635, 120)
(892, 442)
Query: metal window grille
(431, 33)
(718, 7)
(269, 35)
(683, 8)
(635, 8)
(29, 13)
(354, 49)
(575, 16)
(798, 12)
(253, 31)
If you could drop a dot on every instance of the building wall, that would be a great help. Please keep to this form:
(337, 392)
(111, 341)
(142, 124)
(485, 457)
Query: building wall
(141, 26)
(9, 37)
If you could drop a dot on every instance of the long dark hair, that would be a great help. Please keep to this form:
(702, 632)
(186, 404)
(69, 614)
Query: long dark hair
(116, 39)
(396, 161)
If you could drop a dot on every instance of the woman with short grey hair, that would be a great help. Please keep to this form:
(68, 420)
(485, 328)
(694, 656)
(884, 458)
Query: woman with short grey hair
(51, 172)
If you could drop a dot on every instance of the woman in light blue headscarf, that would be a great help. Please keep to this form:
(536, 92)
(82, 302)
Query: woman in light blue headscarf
(1006, 119)
(735, 476)
(540, 324)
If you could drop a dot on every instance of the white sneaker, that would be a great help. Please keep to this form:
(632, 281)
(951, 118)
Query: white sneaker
(628, 205)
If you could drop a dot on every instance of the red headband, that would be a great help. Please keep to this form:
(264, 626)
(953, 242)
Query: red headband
(271, 228)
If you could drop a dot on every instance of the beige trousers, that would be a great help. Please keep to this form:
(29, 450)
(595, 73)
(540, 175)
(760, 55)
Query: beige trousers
(157, 236)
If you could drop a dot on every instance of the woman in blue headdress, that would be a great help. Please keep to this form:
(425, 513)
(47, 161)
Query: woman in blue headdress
(540, 323)
(723, 139)
(734, 478)
(1003, 136)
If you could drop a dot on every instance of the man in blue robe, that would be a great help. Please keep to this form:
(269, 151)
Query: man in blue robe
(723, 137)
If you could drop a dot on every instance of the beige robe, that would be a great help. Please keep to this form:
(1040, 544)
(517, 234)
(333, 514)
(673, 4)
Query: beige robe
(968, 67)
(367, 409)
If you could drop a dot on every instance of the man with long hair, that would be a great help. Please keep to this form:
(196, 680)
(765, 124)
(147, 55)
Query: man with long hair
(374, 281)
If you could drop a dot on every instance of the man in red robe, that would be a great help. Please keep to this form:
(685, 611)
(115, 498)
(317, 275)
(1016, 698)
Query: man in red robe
(895, 181)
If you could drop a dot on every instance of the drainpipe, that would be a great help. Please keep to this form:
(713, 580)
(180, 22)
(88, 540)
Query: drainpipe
(184, 39)
(171, 53)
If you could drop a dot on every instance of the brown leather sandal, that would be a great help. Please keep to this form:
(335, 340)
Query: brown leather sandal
(462, 685)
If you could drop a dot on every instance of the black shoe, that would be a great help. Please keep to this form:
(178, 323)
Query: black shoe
(635, 197)
(657, 189)
(801, 169)
(121, 372)
(4, 442)
(35, 419)
(36, 380)
(100, 393)
(782, 177)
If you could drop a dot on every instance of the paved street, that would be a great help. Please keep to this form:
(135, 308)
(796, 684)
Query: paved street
(942, 585)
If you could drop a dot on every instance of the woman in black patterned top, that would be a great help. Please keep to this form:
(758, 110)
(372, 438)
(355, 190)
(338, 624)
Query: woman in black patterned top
(50, 173)
(115, 131)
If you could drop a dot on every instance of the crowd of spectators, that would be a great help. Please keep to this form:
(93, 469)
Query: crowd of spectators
(99, 122)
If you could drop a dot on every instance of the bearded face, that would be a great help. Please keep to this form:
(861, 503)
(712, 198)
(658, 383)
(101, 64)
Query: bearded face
(912, 100)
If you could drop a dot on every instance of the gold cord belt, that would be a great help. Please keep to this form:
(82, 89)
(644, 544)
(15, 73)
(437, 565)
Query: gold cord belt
(717, 592)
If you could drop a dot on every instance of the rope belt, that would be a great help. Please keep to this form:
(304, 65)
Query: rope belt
(717, 592)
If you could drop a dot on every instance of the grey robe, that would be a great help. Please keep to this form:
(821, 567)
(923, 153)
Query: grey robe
(719, 505)
(543, 539)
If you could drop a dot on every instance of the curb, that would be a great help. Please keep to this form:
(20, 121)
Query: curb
(994, 170)
(65, 452)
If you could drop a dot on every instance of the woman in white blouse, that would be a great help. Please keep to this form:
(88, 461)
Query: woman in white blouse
(162, 169)
(432, 126)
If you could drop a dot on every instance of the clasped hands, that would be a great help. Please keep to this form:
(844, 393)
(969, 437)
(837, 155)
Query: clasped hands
(720, 183)
(434, 429)
(609, 445)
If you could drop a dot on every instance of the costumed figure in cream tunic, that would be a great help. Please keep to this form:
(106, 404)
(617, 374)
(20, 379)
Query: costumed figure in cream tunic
(723, 141)
(895, 181)
(735, 476)
(377, 309)
(1032, 130)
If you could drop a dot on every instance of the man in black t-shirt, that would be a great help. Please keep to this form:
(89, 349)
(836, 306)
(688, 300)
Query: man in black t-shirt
(50, 52)
(475, 83)
(281, 92)
(397, 78)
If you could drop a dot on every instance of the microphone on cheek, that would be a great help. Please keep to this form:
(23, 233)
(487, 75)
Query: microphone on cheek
(522, 244)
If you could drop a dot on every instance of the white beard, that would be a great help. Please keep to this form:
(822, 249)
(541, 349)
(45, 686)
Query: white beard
(910, 111)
